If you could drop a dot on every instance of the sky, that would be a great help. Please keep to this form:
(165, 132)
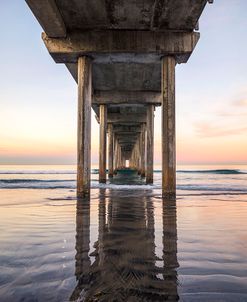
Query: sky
(38, 98)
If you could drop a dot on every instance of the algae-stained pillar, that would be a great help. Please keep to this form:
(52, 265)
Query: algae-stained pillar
(102, 143)
(110, 150)
(168, 128)
(150, 144)
(84, 126)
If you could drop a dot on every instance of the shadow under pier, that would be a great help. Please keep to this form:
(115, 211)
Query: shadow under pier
(127, 177)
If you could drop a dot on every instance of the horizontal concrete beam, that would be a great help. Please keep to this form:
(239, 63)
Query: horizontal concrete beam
(49, 17)
(67, 50)
(126, 97)
(127, 140)
(123, 142)
(124, 133)
(126, 118)
(126, 128)
(127, 151)
(128, 145)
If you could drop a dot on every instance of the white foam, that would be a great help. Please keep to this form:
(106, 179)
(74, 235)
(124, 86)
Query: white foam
(123, 187)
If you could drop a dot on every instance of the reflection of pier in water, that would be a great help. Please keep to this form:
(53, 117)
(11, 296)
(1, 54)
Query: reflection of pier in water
(126, 267)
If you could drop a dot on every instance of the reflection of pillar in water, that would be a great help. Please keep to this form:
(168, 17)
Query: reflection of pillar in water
(102, 226)
(82, 260)
(150, 228)
(170, 247)
(82, 237)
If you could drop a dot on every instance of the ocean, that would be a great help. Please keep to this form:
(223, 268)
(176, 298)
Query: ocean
(125, 243)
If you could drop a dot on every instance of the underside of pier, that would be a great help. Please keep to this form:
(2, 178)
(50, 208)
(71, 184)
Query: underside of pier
(123, 55)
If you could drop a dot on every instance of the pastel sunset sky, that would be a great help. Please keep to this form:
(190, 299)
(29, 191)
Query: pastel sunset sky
(38, 98)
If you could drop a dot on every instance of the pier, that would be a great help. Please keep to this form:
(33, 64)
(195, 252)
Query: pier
(123, 55)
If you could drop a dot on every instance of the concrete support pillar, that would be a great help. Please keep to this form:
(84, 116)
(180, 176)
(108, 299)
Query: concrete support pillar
(115, 155)
(123, 160)
(130, 161)
(150, 144)
(84, 126)
(139, 155)
(102, 143)
(110, 151)
(119, 157)
(143, 150)
(134, 158)
(168, 128)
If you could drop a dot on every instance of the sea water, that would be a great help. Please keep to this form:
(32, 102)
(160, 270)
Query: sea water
(125, 243)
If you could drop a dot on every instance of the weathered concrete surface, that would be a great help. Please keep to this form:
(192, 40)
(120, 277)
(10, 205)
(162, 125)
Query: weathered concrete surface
(150, 144)
(168, 128)
(126, 118)
(127, 77)
(93, 43)
(126, 97)
(110, 150)
(143, 150)
(102, 143)
(126, 128)
(123, 77)
(84, 126)
(49, 17)
(158, 15)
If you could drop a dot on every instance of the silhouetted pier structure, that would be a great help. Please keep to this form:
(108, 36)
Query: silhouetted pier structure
(123, 55)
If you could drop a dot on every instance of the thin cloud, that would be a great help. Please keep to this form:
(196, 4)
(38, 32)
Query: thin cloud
(204, 129)
(235, 108)
(240, 103)
(232, 114)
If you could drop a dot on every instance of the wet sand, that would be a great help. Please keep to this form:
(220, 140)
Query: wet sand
(125, 245)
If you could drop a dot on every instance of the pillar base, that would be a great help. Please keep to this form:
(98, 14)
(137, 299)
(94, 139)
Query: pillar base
(149, 181)
(143, 174)
(102, 181)
(169, 195)
(83, 195)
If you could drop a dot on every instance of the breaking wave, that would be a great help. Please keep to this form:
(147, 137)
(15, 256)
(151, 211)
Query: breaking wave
(96, 171)
(71, 184)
